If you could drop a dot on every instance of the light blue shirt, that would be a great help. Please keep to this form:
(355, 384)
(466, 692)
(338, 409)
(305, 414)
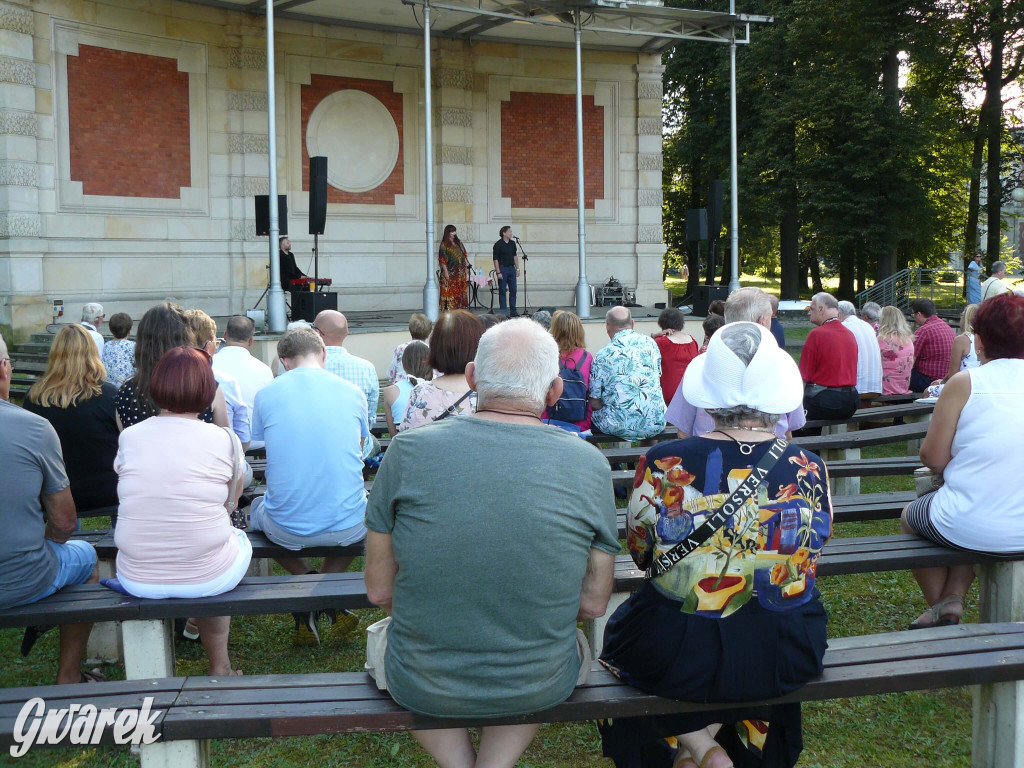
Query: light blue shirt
(311, 422)
(360, 372)
(239, 415)
(626, 377)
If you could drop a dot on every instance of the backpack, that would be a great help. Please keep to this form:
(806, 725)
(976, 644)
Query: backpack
(572, 405)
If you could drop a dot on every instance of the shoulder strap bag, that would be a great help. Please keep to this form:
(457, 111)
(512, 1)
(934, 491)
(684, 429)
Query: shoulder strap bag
(664, 562)
(451, 408)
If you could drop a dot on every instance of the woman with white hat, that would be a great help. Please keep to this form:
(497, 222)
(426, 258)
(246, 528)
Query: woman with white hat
(729, 527)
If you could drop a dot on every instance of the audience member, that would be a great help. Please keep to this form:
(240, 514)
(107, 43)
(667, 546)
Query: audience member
(92, 319)
(333, 327)
(871, 313)
(419, 328)
(160, 329)
(963, 354)
(275, 367)
(677, 349)
(777, 330)
(717, 307)
(973, 441)
(237, 415)
(744, 305)
(567, 331)
(179, 479)
(933, 345)
(37, 554)
(510, 644)
(973, 271)
(709, 325)
(73, 396)
(625, 381)
(235, 358)
(707, 626)
(544, 318)
(869, 358)
(453, 344)
(119, 355)
(896, 346)
(828, 363)
(314, 425)
(489, 321)
(415, 368)
(994, 286)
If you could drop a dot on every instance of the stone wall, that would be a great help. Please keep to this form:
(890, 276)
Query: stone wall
(133, 136)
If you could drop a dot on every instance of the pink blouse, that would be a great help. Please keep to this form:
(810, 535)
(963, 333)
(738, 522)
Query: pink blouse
(897, 362)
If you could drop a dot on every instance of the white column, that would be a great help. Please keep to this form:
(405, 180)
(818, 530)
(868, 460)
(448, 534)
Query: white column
(431, 291)
(734, 183)
(275, 301)
(582, 288)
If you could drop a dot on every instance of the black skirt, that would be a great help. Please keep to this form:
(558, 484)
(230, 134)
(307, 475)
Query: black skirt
(751, 655)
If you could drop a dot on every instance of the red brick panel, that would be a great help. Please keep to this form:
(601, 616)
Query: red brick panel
(322, 86)
(128, 123)
(538, 150)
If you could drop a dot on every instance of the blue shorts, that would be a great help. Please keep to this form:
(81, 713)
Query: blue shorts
(76, 560)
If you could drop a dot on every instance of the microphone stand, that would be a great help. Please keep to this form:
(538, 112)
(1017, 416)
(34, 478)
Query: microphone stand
(526, 294)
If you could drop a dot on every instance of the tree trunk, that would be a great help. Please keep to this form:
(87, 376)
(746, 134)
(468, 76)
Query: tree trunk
(789, 256)
(815, 276)
(974, 190)
(847, 268)
(891, 97)
(994, 130)
(862, 271)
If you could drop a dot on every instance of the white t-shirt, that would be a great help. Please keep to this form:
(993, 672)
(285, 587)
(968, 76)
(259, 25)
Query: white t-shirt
(980, 506)
(869, 356)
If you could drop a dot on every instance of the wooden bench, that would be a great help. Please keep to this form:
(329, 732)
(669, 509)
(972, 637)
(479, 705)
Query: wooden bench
(191, 710)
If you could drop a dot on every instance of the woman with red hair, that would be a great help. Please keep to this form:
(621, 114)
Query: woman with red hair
(973, 441)
(178, 480)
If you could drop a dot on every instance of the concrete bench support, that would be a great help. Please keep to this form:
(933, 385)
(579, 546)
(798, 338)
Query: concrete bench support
(594, 628)
(105, 639)
(998, 732)
(842, 486)
(176, 754)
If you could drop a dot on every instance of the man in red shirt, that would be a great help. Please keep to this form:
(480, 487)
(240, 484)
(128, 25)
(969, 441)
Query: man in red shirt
(933, 345)
(828, 363)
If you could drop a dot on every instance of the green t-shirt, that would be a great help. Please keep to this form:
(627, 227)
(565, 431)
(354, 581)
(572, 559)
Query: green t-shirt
(492, 525)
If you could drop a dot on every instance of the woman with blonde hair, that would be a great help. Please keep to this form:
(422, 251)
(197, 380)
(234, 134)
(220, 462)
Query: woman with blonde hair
(75, 398)
(567, 330)
(963, 355)
(896, 342)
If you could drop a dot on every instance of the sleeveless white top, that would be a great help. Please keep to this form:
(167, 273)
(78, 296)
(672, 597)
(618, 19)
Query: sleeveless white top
(980, 506)
(971, 360)
(402, 401)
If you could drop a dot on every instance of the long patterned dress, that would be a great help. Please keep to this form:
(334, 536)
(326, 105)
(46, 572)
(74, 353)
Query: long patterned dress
(454, 289)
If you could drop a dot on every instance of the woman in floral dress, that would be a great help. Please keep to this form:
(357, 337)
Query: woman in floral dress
(454, 262)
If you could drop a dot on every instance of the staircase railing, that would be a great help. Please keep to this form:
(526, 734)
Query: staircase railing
(942, 286)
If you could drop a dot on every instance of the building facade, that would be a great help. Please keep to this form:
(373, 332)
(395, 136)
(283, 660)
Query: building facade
(133, 139)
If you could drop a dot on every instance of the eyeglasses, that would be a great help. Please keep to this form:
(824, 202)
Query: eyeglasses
(9, 360)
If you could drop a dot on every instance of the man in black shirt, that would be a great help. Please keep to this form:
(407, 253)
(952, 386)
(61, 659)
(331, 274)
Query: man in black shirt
(506, 264)
(289, 269)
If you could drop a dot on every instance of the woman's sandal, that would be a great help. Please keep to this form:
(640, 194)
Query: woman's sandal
(191, 630)
(93, 676)
(938, 620)
(685, 762)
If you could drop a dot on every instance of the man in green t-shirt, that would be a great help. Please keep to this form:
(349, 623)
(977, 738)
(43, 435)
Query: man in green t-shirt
(489, 537)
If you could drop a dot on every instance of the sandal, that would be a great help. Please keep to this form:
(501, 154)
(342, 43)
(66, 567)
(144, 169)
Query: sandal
(93, 676)
(31, 635)
(938, 618)
(191, 630)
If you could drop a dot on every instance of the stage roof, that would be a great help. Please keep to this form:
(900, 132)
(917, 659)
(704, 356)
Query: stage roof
(623, 25)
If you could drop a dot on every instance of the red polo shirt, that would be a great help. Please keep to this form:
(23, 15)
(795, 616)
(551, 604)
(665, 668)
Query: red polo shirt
(829, 357)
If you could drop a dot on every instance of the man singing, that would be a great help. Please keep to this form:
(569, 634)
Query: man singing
(506, 265)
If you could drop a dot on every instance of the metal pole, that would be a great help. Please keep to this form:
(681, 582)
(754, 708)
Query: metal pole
(734, 191)
(275, 303)
(431, 292)
(582, 288)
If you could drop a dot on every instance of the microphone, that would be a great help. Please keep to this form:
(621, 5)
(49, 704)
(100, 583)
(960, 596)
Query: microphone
(515, 238)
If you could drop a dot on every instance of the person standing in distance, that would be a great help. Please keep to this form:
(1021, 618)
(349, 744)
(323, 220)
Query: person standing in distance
(506, 265)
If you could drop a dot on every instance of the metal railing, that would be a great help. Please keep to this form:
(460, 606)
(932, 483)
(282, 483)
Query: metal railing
(945, 287)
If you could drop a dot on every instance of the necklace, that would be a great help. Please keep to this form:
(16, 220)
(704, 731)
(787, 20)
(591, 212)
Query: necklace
(746, 448)
(510, 413)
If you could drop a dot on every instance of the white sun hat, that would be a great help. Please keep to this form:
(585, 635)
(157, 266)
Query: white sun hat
(719, 379)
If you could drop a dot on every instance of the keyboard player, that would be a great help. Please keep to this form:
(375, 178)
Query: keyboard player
(289, 269)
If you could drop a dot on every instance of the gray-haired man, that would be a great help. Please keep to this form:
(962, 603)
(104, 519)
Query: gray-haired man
(92, 318)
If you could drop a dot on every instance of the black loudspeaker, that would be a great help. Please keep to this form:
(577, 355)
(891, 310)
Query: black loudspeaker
(306, 305)
(317, 195)
(704, 295)
(715, 209)
(696, 224)
(263, 215)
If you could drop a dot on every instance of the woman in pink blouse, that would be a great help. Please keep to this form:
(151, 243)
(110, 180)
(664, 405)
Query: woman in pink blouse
(176, 479)
(896, 342)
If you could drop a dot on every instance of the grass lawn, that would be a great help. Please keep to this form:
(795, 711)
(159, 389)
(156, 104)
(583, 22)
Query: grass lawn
(929, 729)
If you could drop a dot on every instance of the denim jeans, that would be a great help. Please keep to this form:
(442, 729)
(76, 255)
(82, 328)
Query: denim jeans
(507, 279)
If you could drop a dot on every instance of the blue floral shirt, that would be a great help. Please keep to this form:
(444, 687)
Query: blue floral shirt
(119, 360)
(626, 377)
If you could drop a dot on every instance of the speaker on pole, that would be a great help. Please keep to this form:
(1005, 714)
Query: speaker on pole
(317, 195)
(696, 224)
(263, 215)
(715, 208)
